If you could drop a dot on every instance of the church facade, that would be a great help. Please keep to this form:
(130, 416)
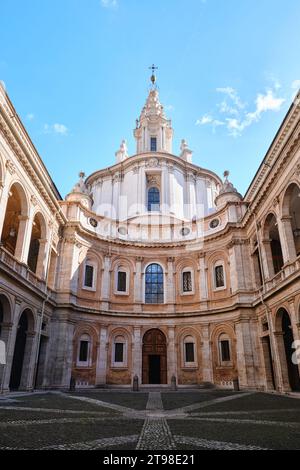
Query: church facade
(153, 271)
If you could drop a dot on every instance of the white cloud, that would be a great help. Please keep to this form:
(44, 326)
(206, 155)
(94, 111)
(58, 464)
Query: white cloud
(109, 3)
(60, 129)
(236, 117)
(233, 95)
(209, 120)
(30, 117)
(264, 102)
(225, 108)
(204, 120)
(55, 129)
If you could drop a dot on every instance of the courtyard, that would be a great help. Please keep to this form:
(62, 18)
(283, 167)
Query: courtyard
(95, 419)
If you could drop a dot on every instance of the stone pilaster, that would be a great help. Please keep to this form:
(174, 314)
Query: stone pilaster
(137, 353)
(138, 286)
(101, 368)
(10, 346)
(105, 287)
(171, 360)
(207, 364)
(244, 351)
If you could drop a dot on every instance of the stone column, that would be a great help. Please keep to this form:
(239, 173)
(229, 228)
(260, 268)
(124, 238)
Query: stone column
(5, 335)
(42, 259)
(171, 354)
(190, 196)
(10, 346)
(171, 189)
(28, 361)
(59, 367)
(165, 192)
(137, 353)
(294, 324)
(3, 202)
(32, 362)
(142, 190)
(287, 238)
(105, 287)
(116, 195)
(207, 363)
(23, 238)
(244, 351)
(267, 259)
(170, 284)
(202, 276)
(101, 368)
(138, 287)
(281, 362)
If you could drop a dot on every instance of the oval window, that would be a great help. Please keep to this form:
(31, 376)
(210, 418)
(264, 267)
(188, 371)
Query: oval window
(93, 222)
(214, 223)
(122, 230)
(185, 231)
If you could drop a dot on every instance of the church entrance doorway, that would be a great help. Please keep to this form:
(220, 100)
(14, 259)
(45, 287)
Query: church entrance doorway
(154, 357)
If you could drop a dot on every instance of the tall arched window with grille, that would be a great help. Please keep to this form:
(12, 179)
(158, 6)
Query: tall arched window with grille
(154, 284)
(153, 199)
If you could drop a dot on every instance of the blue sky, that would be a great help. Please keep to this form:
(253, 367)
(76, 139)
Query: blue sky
(77, 73)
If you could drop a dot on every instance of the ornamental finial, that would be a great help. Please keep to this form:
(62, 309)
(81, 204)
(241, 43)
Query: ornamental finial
(153, 76)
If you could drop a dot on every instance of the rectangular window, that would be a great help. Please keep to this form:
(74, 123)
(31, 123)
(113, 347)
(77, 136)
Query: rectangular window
(121, 281)
(219, 275)
(89, 276)
(153, 144)
(189, 352)
(119, 352)
(187, 281)
(83, 351)
(225, 351)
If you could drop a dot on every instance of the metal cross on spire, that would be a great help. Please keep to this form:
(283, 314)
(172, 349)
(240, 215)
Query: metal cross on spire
(153, 77)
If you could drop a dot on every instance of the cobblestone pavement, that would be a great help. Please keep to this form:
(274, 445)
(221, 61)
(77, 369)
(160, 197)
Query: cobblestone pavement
(167, 421)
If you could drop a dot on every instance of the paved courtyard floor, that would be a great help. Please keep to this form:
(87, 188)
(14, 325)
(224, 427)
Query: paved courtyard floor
(119, 420)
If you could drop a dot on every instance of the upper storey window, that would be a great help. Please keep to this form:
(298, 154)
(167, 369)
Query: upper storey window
(153, 199)
(154, 285)
(153, 144)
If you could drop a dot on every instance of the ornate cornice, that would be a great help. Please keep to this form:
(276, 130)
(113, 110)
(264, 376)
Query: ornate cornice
(21, 148)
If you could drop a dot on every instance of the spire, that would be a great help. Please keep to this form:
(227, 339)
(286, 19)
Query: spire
(153, 131)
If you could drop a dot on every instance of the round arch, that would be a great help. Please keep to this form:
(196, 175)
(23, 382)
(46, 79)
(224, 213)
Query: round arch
(154, 366)
(285, 345)
(23, 349)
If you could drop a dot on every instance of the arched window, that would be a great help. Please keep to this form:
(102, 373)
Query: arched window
(189, 351)
(219, 275)
(119, 353)
(187, 281)
(84, 351)
(154, 284)
(153, 199)
(272, 245)
(224, 349)
(90, 275)
(122, 274)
